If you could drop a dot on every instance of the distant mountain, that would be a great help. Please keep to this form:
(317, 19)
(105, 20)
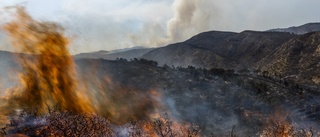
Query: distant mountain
(129, 53)
(126, 49)
(220, 49)
(278, 54)
(303, 29)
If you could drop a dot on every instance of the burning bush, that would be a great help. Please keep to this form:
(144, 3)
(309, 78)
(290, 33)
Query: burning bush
(279, 125)
(282, 130)
(48, 69)
(162, 126)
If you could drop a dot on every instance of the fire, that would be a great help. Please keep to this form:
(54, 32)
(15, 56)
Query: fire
(49, 79)
(279, 125)
(163, 126)
(48, 69)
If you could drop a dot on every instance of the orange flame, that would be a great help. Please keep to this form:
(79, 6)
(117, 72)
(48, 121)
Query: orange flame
(49, 79)
(278, 125)
(48, 67)
(163, 126)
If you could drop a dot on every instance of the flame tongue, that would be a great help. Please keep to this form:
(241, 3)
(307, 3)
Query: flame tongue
(49, 77)
(48, 66)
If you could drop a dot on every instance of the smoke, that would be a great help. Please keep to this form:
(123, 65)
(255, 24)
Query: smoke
(182, 20)
(119, 103)
(190, 17)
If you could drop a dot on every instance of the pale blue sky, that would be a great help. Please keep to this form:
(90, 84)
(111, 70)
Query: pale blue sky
(112, 24)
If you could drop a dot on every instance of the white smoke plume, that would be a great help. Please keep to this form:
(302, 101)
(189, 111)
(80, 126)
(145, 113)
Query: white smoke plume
(190, 17)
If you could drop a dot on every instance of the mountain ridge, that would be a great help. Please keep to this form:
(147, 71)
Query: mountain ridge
(302, 29)
(215, 50)
(128, 53)
(252, 50)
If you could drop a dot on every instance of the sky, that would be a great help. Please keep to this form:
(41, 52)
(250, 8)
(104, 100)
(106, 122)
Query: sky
(94, 25)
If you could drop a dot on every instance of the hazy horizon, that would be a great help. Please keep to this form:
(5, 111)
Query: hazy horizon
(109, 25)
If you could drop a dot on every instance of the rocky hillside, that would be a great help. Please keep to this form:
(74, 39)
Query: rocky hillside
(297, 59)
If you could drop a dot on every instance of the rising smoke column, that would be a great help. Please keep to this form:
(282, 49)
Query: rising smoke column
(190, 18)
(182, 20)
(48, 69)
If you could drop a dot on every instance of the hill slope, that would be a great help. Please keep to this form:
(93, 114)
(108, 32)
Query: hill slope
(220, 49)
(213, 99)
(297, 59)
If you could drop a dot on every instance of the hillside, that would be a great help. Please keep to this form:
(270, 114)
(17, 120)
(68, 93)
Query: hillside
(214, 99)
(298, 59)
(220, 49)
